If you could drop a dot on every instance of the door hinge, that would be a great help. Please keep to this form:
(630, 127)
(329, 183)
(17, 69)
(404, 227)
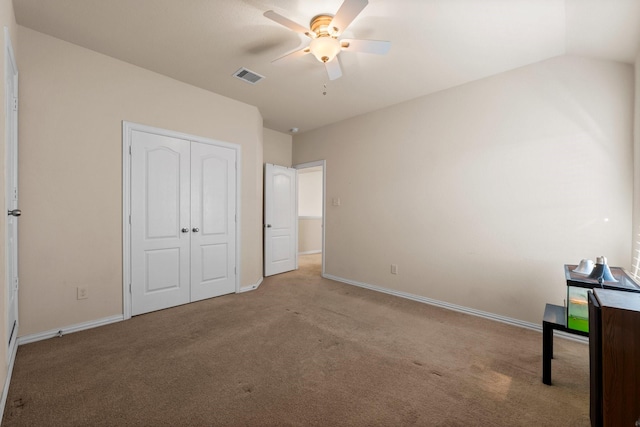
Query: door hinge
(15, 104)
(129, 150)
(129, 287)
(235, 270)
(129, 219)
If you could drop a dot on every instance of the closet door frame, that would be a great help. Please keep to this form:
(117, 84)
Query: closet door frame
(127, 129)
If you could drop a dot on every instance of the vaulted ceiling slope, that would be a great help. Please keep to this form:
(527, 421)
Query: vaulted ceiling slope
(436, 44)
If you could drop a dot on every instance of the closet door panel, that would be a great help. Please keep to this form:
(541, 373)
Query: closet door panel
(160, 199)
(213, 216)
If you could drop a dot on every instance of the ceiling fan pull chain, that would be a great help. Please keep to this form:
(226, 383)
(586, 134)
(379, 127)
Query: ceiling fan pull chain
(324, 92)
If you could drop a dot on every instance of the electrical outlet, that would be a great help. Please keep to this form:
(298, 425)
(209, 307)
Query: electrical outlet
(83, 292)
(394, 268)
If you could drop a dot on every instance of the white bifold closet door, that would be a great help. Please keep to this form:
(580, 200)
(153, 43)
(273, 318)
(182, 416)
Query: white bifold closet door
(183, 215)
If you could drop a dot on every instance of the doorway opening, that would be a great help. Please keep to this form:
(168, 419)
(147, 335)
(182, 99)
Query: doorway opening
(311, 216)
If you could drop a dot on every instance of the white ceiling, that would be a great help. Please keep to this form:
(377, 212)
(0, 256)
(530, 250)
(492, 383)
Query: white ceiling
(436, 44)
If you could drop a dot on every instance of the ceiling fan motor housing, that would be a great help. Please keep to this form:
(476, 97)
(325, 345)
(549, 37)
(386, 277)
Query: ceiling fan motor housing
(320, 25)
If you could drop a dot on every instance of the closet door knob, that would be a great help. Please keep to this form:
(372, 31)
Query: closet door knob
(195, 229)
(185, 230)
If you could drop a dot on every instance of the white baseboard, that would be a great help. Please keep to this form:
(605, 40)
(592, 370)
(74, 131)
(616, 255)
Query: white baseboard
(458, 308)
(251, 287)
(319, 251)
(95, 323)
(570, 337)
(69, 329)
(7, 381)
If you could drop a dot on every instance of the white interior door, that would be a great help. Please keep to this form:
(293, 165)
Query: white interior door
(213, 220)
(281, 220)
(11, 194)
(160, 222)
(183, 221)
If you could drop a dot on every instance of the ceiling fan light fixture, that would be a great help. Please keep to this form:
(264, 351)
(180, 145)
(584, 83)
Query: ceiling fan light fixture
(325, 48)
(324, 31)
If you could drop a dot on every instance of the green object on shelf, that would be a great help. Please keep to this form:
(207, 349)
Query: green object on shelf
(577, 309)
(578, 324)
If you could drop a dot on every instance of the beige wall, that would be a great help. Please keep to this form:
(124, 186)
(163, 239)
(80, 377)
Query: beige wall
(482, 192)
(310, 192)
(309, 235)
(277, 148)
(73, 102)
(310, 210)
(7, 19)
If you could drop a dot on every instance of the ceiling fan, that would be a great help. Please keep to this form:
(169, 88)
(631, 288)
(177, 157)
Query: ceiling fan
(325, 30)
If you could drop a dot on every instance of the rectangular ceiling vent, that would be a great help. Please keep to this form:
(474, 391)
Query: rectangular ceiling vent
(248, 76)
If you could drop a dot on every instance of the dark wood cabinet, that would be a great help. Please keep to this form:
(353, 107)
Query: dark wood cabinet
(614, 358)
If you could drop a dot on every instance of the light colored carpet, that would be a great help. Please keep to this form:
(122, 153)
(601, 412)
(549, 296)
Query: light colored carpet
(300, 350)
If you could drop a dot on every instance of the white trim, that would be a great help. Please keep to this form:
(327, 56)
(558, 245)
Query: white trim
(570, 337)
(27, 339)
(309, 217)
(10, 146)
(7, 381)
(322, 163)
(310, 164)
(238, 149)
(126, 226)
(127, 128)
(252, 287)
(454, 307)
(12, 347)
(310, 252)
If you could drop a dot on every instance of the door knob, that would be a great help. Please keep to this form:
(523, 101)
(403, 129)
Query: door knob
(185, 230)
(15, 212)
(268, 225)
(195, 229)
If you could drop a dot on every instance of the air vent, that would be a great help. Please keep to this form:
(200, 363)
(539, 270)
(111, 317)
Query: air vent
(248, 76)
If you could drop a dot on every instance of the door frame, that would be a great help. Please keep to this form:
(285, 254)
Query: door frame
(323, 164)
(11, 145)
(127, 129)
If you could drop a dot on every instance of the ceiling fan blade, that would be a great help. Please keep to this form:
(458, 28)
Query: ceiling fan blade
(294, 26)
(379, 47)
(333, 69)
(292, 55)
(346, 14)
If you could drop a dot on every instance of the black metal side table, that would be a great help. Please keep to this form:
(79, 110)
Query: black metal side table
(555, 318)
